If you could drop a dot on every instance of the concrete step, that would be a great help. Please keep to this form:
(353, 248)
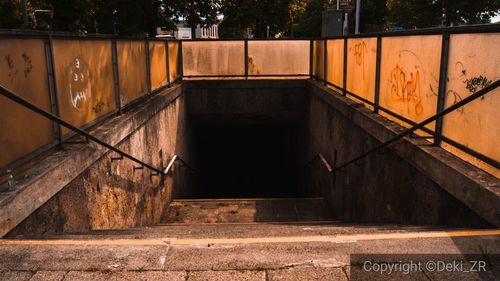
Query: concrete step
(265, 259)
(236, 231)
(247, 210)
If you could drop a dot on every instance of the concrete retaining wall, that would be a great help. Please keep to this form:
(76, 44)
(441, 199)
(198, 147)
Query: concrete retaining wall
(111, 194)
(385, 187)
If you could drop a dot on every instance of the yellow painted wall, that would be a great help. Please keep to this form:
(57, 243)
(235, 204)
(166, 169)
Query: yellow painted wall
(361, 64)
(84, 79)
(278, 57)
(213, 57)
(173, 59)
(473, 63)
(335, 62)
(409, 77)
(23, 70)
(132, 70)
(158, 64)
(318, 59)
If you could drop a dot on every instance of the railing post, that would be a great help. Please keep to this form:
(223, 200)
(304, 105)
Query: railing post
(148, 67)
(180, 63)
(54, 105)
(116, 77)
(168, 63)
(311, 58)
(377, 74)
(443, 76)
(246, 59)
(344, 71)
(325, 61)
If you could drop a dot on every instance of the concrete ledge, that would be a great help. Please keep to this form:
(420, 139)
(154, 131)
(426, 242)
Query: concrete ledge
(474, 187)
(242, 84)
(56, 171)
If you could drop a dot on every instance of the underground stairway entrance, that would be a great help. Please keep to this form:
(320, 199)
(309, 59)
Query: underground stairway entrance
(253, 147)
(248, 172)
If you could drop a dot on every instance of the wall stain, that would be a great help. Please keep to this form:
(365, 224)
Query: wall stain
(28, 66)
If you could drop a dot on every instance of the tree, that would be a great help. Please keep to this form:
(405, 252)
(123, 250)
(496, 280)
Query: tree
(257, 15)
(197, 12)
(373, 14)
(468, 12)
(11, 14)
(308, 24)
(413, 13)
(428, 13)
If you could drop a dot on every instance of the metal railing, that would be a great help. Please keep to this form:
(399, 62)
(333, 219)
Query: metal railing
(245, 73)
(172, 161)
(409, 131)
(158, 170)
(325, 163)
(442, 81)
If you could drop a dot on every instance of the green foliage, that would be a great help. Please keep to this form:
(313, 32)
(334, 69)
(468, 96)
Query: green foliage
(428, 13)
(413, 13)
(11, 14)
(467, 11)
(308, 23)
(297, 18)
(257, 15)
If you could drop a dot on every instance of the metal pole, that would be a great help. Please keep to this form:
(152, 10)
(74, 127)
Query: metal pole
(377, 74)
(346, 24)
(443, 77)
(148, 67)
(358, 12)
(116, 76)
(25, 13)
(168, 63)
(52, 87)
(246, 59)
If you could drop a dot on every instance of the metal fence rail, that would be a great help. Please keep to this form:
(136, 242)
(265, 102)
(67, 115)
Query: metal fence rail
(365, 67)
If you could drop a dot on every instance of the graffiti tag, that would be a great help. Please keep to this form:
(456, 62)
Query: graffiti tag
(79, 84)
(405, 88)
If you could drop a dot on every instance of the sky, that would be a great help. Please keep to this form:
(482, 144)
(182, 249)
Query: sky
(496, 18)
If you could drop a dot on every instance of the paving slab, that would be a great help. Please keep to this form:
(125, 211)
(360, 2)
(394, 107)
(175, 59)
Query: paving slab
(227, 275)
(48, 276)
(308, 274)
(15, 275)
(125, 275)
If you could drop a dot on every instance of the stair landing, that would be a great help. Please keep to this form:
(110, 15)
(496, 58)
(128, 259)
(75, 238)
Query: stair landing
(247, 210)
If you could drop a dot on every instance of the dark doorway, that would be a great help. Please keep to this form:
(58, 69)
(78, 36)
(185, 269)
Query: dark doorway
(247, 160)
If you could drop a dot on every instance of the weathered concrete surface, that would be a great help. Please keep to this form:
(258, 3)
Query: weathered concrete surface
(281, 260)
(93, 192)
(252, 101)
(247, 210)
(411, 182)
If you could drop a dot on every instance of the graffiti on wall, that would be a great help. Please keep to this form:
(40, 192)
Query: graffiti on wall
(405, 88)
(13, 62)
(471, 83)
(359, 52)
(409, 83)
(80, 90)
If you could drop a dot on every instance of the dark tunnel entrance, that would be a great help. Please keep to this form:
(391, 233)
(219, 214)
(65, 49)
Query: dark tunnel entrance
(247, 160)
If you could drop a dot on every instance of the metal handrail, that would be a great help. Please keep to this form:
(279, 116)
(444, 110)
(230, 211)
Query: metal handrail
(420, 125)
(325, 163)
(409, 131)
(12, 96)
(171, 163)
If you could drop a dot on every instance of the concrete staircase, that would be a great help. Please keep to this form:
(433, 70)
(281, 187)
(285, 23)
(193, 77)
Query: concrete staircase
(238, 239)
(247, 210)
